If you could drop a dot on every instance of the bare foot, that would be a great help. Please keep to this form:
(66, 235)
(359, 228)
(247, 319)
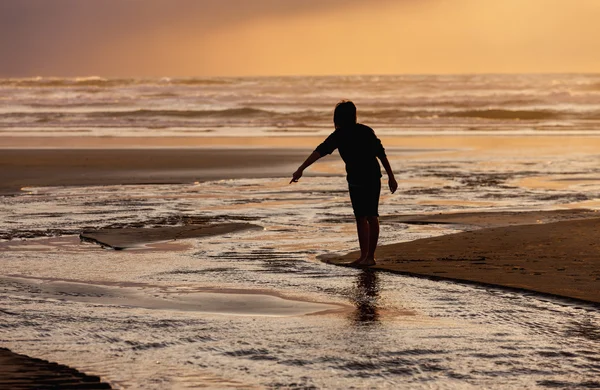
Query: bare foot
(357, 262)
(367, 262)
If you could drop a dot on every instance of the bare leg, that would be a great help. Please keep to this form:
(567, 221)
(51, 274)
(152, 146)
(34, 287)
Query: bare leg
(362, 229)
(373, 238)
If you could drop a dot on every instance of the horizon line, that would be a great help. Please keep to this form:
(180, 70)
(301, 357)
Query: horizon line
(95, 76)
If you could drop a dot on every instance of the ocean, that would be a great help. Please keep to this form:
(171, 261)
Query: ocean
(283, 106)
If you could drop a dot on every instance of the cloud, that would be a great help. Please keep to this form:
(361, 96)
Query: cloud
(61, 36)
(260, 37)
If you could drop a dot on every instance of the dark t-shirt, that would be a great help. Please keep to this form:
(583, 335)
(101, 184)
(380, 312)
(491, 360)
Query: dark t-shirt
(359, 148)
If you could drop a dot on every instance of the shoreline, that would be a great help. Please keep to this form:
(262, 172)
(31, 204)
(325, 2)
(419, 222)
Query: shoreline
(558, 258)
(502, 287)
(88, 161)
(105, 165)
(114, 161)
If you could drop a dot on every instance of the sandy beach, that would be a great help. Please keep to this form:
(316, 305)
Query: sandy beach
(554, 253)
(539, 250)
(159, 230)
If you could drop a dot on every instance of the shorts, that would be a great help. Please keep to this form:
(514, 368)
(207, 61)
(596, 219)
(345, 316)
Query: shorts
(365, 199)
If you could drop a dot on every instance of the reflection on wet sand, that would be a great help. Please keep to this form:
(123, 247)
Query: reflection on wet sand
(156, 319)
(364, 296)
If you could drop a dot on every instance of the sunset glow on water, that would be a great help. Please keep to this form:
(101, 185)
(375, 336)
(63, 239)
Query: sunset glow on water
(159, 229)
(287, 106)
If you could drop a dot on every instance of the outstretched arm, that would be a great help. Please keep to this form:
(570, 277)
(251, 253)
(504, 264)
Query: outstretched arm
(392, 183)
(314, 156)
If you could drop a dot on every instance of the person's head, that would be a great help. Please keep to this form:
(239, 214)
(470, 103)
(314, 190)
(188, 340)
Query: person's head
(344, 114)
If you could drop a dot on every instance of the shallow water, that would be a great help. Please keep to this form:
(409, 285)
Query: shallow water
(229, 311)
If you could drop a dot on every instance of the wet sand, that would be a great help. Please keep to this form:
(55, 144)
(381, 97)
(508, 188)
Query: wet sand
(493, 219)
(513, 256)
(128, 238)
(552, 252)
(175, 298)
(558, 255)
(20, 372)
(65, 161)
(84, 167)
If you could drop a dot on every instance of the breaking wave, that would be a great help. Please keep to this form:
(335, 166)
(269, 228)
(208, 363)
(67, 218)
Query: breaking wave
(389, 115)
(227, 113)
(506, 114)
(256, 105)
(494, 113)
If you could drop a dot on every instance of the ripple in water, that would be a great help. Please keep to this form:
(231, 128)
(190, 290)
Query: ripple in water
(389, 331)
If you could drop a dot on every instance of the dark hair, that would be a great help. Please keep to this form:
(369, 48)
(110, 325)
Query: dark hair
(344, 114)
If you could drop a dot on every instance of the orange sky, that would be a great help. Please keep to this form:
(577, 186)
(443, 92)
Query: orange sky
(272, 37)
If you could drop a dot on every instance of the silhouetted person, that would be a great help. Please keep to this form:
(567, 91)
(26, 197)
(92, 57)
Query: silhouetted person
(360, 148)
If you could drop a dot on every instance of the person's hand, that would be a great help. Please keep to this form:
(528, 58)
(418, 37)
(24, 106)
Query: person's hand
(393, 184)
(296, 176)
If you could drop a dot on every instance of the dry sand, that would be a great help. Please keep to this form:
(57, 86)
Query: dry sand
(554, 258)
